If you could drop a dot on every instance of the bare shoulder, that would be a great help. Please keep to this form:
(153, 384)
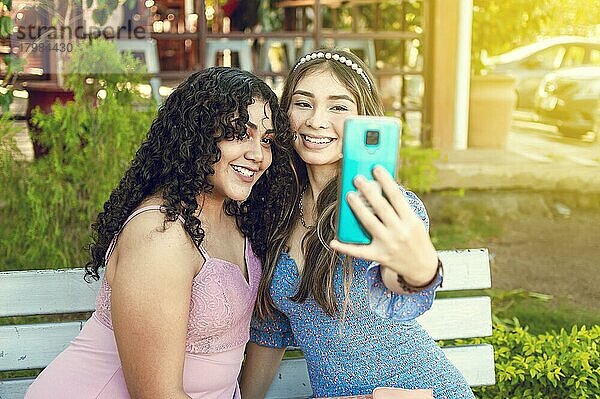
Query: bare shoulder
(150, 228)
(149, 243)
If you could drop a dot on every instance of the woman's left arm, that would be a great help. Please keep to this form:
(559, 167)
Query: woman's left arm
(400, 240)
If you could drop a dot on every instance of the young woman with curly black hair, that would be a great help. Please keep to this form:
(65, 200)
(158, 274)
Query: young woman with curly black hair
(178, 237)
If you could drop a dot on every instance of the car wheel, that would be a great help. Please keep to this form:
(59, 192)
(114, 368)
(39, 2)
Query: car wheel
(590, 136)
(578, 134)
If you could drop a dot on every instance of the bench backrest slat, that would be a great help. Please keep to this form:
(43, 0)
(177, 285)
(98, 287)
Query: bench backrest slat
(31, 346)
(35, 291)
(15, 388)
(31, 292)
(452, 318)
(475, 362)
(35, 345)
(466, 269)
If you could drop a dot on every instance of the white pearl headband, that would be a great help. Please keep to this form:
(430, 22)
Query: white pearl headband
(336, 57)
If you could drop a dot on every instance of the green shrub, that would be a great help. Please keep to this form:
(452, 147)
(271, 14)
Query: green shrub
(549, 366)
(49, 204)
(416, 168)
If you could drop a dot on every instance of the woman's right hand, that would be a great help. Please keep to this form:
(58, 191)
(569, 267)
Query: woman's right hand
(150, 275)
(400, 242)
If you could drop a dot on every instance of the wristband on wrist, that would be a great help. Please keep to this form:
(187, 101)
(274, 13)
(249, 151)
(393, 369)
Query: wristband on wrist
(411, 289)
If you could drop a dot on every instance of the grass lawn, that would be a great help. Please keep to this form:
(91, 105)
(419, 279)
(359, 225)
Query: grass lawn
(541, 316)
(459, 222)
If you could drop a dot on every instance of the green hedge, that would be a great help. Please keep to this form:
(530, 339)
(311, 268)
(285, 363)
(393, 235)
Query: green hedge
(550, 366)
(47, 206)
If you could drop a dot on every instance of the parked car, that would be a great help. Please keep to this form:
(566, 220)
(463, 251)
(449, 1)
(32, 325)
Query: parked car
(530, 63)
(570, 100)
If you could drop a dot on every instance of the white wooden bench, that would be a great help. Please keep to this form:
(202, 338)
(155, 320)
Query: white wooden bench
(42, 292)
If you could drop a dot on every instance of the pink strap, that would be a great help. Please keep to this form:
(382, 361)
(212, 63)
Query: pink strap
(204, 253)
(207, 256)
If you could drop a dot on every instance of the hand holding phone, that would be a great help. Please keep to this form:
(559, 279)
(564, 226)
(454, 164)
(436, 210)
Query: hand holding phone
(382, 226)
(400, 242)
(368, 141)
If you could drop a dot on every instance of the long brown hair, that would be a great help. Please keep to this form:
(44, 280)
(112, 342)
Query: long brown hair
(320, 261)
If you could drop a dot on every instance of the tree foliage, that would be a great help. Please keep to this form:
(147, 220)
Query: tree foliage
(499, 26)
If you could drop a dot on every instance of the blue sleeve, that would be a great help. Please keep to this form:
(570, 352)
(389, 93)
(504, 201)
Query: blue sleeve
(417, 206)
(274, 332)
(391, 305)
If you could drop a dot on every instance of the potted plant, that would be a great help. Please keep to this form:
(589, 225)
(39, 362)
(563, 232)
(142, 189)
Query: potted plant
(492, 97)
(492, 100)
(94, 69)
(76, 18)
(498, 26)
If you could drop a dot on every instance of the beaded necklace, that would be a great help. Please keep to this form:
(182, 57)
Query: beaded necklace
(301, 206)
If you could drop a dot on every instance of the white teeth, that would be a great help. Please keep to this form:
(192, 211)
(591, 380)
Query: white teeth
(243, 171)
(315, 140)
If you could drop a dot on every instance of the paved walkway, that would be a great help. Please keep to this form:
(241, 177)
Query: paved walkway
(23, 140)
(530, 160)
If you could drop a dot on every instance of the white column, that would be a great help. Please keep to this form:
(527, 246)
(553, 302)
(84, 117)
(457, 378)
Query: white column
(463, 74)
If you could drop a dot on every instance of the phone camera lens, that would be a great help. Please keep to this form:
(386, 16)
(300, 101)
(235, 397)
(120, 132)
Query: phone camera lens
(372, 137)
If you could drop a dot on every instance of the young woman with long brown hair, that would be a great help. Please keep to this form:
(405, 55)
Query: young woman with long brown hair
(350, 308)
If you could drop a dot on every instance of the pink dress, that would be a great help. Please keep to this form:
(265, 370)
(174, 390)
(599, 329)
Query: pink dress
(218, 329)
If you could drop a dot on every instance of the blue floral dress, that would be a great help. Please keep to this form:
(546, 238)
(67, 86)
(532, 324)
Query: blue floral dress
(375, 342)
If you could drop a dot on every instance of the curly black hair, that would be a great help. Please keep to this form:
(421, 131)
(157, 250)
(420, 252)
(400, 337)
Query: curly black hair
(176, 159)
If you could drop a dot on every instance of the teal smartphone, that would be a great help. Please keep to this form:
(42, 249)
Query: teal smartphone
(368, 141)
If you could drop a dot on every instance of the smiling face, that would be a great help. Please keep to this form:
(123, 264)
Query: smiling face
(244, 161)
(318, 108)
